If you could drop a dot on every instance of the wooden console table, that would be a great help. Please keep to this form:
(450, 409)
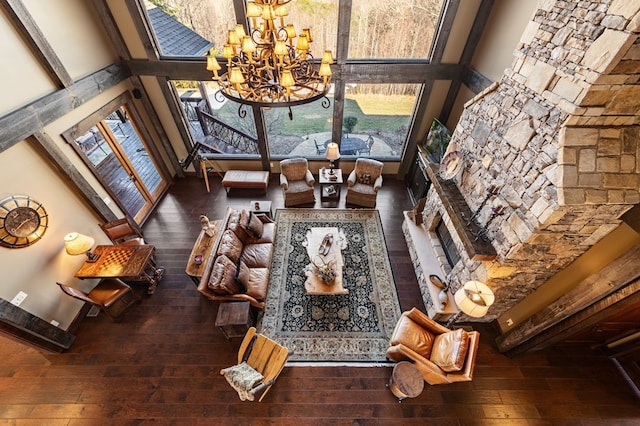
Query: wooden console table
(202, 247)
(127, 262)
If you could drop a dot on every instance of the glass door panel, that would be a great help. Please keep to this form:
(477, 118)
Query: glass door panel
(122, 162)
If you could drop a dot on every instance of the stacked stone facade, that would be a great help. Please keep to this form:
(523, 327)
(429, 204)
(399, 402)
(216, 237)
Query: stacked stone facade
(559, 136)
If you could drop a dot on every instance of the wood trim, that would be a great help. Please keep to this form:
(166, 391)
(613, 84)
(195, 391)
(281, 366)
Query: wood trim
(141, 128)
(571, 312)
(25, 121)
(363, 71)
(621, 300)
(71, 173)
(454, 203)
(173, 103)
(479, 24)
(412, 138)
(136, 12)
(475, 81)
(261, 133)
(447, 17)
(38, 44)
(109, 25)
(28, 328)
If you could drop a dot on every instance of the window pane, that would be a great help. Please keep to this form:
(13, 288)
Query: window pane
(377, 118)
(321, 17)
(190, 27)
(393, 29)
(215, 121)
(304, 135)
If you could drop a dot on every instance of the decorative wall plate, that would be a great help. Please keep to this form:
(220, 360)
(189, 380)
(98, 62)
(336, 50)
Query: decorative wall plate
(451, 165)
(23, 221)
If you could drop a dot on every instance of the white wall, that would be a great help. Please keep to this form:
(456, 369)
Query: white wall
(73, 30)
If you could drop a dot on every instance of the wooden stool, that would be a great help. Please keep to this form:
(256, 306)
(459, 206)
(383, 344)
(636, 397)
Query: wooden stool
(406, 381)
(234, 318)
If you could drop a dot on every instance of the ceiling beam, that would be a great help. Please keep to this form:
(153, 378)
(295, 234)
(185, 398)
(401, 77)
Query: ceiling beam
(38, 44)
(471, 76)
(23, 122)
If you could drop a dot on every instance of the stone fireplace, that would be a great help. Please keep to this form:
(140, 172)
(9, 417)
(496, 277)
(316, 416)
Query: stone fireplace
(558, 137)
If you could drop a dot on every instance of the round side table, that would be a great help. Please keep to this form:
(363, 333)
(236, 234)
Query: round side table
(406, 381)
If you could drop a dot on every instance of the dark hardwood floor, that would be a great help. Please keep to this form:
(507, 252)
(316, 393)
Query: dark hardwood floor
(160, 364)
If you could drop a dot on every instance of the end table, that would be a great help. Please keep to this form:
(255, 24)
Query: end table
(406, 381)
(261, 207)
(234, 318)
(330, 184)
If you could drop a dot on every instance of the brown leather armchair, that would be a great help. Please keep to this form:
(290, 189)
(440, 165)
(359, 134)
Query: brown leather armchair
(441, 355)
(297, 182)
(364, 182)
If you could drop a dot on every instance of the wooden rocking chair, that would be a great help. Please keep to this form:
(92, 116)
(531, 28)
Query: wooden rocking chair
(260, 361)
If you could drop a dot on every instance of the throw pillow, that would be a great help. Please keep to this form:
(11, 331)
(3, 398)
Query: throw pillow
(234, 220)
(243, 275)
(450, 350)
(242, 378)
(230, 245)
(222, 280)
(252, 224)
(364, 178)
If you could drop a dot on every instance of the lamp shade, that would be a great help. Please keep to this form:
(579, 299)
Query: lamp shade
(333, 151)
(75, 243)
(474, 299)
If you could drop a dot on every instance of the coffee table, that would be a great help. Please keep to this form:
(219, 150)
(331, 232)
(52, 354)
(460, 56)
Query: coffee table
(314, 285)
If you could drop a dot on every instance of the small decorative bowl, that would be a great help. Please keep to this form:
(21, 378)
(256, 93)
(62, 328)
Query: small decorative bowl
(197, 259)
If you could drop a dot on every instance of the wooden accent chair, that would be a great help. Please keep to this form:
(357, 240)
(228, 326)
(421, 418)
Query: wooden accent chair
(123, 231)
(441, 355)
(297, 182)
(260, 361)
(111, 295)
(364, 182)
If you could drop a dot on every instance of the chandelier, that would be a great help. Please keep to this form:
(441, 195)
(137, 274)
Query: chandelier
(268, 67)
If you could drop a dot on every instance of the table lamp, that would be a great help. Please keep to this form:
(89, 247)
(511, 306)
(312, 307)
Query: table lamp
(473, 299)
(333, 153)
(75, 244)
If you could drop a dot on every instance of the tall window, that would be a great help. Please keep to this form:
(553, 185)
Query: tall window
(214, 120)
(393, 29)
(190, 27)
(304, 135)
(377, 118)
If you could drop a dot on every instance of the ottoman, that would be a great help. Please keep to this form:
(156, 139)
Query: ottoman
(257, 179)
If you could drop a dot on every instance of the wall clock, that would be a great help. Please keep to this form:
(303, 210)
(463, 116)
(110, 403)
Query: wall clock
(23, 221)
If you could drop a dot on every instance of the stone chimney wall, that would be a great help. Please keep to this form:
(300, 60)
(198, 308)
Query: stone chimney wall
(559, 135)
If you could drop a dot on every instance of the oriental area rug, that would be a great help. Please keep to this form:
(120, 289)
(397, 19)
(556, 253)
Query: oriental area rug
(353, 327)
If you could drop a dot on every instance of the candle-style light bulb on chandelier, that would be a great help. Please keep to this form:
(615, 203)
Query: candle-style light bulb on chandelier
(268, 67)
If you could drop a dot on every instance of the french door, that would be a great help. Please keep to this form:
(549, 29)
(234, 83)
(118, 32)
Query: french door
(121, 159)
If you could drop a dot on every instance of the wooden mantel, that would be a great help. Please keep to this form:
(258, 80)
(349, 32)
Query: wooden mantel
(454, 203)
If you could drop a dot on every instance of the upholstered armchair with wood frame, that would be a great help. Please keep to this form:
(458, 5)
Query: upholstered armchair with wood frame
(111, 295)
(123, 231)
(297, 182)
(260, 361)
(441, 355)
(364, 182)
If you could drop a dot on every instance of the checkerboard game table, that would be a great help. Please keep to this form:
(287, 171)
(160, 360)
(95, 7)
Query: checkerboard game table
(127, 262)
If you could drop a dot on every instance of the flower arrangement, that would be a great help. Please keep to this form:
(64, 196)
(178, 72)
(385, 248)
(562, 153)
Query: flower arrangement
(325, 271)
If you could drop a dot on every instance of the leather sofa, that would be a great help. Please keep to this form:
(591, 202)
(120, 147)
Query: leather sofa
(238, 267)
